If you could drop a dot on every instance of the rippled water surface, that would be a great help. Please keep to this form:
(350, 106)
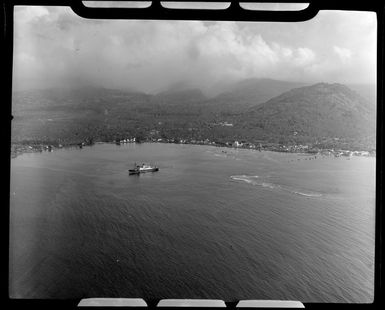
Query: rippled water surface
(211, 223)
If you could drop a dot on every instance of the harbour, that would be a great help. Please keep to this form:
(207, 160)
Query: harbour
(209, 224)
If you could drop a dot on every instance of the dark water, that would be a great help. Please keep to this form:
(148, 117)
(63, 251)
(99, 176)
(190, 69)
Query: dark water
(212, 223)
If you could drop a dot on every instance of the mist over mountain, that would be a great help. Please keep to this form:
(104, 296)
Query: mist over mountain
(254, 91)
(179, 97)
(247, 93)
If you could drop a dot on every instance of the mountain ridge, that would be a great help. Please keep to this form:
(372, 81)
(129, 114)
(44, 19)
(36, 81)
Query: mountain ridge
(311, 112)
(318, 110)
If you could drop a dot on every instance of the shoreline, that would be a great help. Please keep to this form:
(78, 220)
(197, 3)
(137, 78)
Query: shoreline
(18, 148)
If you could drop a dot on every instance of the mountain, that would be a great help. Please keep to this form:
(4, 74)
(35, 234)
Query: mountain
(367, 91)
(72, 115)
(93, 100)
(305, 113)
(249, 92)
(320, 110)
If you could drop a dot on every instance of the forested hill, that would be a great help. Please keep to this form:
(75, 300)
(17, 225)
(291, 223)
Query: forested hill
(289, 112)
(320, 110)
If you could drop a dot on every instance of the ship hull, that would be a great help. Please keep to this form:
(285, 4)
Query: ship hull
(142, 169)
(149, 169)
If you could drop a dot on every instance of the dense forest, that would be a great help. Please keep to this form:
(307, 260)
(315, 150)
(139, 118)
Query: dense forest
(253, 111)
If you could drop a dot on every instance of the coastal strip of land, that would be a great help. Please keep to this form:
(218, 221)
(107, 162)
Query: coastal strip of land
(18, 148)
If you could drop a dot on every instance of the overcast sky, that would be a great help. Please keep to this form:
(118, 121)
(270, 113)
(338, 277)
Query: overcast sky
(54, 47)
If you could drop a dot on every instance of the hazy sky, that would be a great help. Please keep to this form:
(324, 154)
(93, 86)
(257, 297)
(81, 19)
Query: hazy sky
(54, 47)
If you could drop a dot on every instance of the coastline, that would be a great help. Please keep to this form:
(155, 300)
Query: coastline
(18, 148)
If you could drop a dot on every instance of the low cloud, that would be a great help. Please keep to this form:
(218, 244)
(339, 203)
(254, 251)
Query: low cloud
(343, 53)
(55, 47)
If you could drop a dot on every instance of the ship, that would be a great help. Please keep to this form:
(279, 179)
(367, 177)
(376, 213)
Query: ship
(147, 168)
(143, 168)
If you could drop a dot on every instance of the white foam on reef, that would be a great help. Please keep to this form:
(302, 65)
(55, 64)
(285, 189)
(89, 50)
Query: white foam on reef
(245, 178)
(308, 194)
(255, 180)
(269, 185)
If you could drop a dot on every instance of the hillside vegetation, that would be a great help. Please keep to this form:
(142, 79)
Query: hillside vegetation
(255, 110)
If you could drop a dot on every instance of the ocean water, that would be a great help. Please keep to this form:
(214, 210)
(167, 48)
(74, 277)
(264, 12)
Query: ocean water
(212, 223)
